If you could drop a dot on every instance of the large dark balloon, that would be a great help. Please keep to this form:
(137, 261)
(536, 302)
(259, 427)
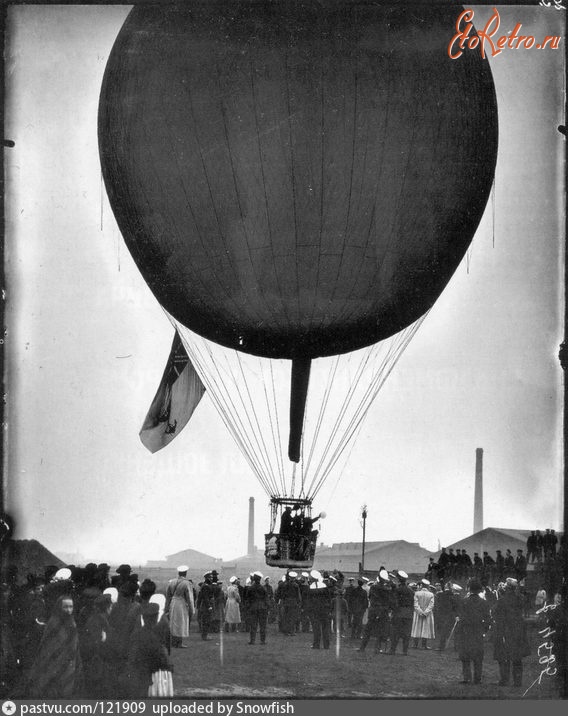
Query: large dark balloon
(296, 179)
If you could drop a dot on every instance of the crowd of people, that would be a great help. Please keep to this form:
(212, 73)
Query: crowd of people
(82, 632)
(544, 551)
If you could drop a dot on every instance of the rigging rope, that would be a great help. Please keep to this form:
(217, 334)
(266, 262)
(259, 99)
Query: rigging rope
(227, 375)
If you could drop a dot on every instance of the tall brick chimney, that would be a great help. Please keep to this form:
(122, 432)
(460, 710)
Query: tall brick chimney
(478, 496)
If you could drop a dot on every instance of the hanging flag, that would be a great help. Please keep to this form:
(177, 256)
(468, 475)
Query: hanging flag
(178, 395)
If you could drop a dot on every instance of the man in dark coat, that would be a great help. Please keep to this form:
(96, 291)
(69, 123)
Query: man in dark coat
(510, 642)
(478, 566)
(359, 603)
(499, 570)
(381, 605)
(349, 589)
(286, 522)
(466, 564)
(319, 608)
(520, 566)
(403, 613)
(445, 613)
(531, 547)
(206, 604)
(473, 623)
(256, 598)
(290, 602)
(443, 565)
(452, 563)
(489, 569)
(509, 564)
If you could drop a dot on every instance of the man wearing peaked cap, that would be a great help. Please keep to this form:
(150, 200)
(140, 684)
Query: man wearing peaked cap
(402, 615)
(381, 602)
(510, 640)
(205, 604)
(256, 599)
(290, 600)
(446, 609)
(179, 606)
(473, 623)
(348, 593)
(358, 605)
(319, 605)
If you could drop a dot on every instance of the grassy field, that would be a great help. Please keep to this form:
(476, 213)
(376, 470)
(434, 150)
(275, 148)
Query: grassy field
(286, 667)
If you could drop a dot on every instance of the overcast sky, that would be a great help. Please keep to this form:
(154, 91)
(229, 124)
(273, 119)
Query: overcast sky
(87, 341)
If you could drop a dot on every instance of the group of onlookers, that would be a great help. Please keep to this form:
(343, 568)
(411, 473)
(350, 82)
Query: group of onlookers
(419, 613)
(68, 634)
(458, 565)
(83, 632)
(541, 547)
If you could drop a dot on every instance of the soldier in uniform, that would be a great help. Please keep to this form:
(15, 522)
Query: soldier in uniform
(403, 614)
(256, 597)
(319, 608)
(473, 622)
(381, 604)
(206, 604)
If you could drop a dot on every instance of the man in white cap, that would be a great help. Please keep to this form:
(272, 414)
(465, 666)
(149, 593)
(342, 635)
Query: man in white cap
(179, 606)
(257, 607)
(403, 613)
(319, 605)
(381, 603)
(423, 620)
(510, 641)
(290, 602)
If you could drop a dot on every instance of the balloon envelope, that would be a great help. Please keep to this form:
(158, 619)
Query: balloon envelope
(295, 180)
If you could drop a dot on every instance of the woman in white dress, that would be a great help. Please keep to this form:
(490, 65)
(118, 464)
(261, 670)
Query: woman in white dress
(232, 608)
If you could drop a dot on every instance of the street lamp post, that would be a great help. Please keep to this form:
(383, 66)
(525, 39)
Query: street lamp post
(364, 516)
